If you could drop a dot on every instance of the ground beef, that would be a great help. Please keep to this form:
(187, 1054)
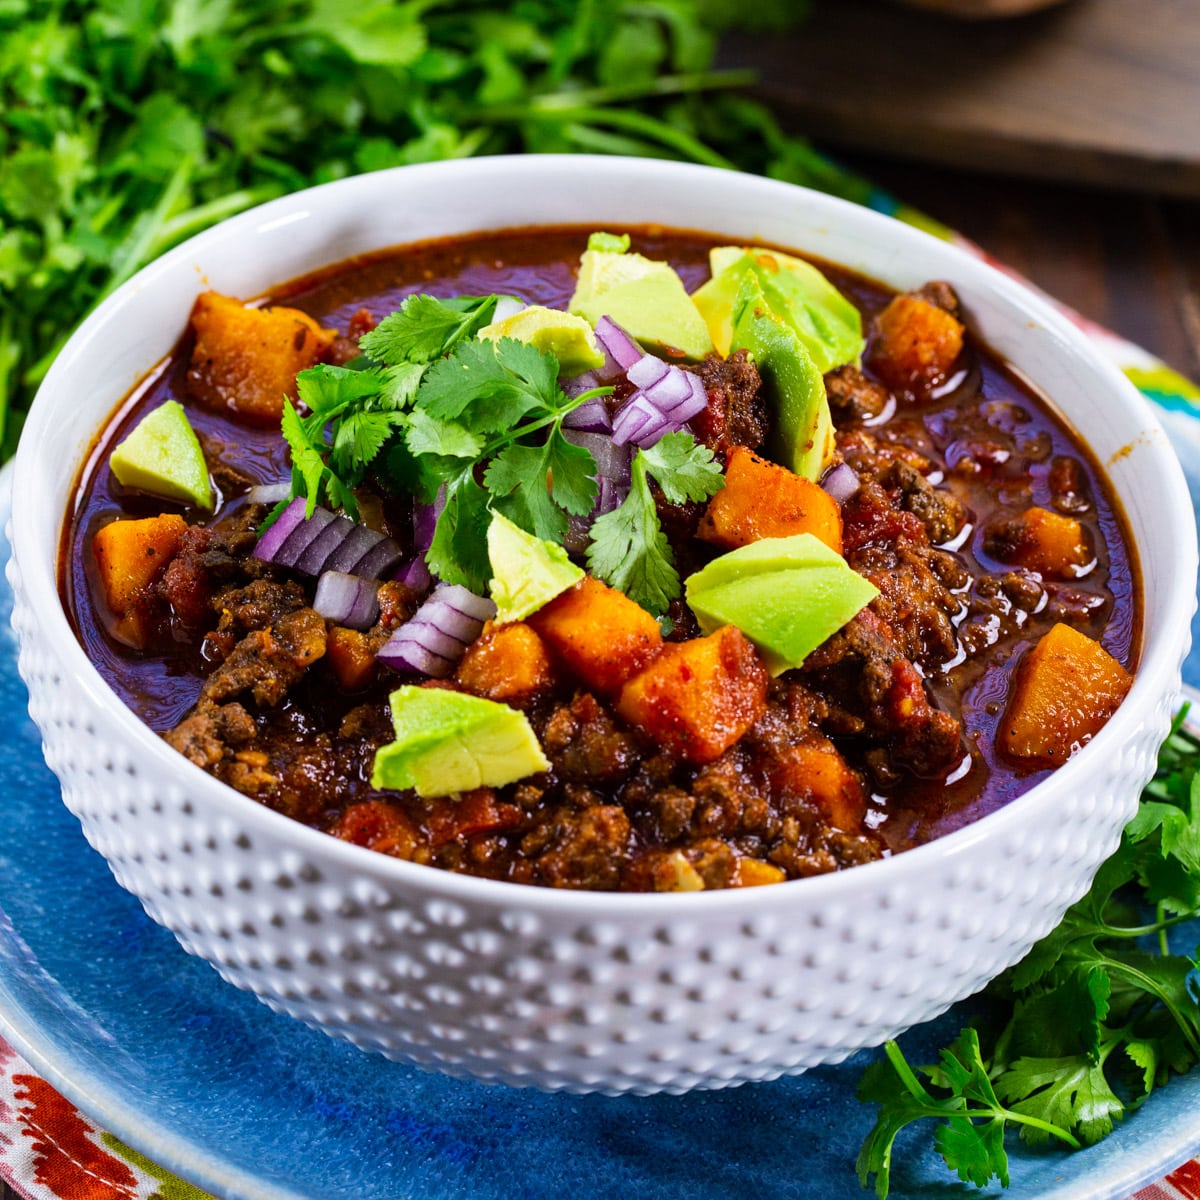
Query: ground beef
(938, 510)
(854, 397)
(345, 346)
(736, 413)
(583, 849)
(875, 691)
(585, 744)
(941, 294)
(267, 662)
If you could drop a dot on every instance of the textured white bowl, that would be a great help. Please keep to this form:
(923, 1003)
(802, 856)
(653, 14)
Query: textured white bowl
(582, 991)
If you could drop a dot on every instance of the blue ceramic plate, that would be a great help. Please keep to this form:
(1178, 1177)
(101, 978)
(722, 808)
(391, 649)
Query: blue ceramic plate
(151, 1044)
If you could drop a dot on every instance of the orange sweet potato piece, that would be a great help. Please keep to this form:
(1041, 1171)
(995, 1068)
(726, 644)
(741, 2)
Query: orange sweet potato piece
(351, 656)
(916, 343)
(379, 826)
(1066, 688)
(698, 697)
(815, 770)
(1042, 541)
(130, 558)
(245, 360)
(763, 500)
(508, 663)
(598, 634)
(753, 872)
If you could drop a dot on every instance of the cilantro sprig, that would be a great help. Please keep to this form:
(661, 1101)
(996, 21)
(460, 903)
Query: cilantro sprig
(1094, 1018)
(629, 549)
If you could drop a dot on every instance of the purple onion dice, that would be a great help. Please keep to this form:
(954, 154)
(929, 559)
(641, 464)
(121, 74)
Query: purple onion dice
(433, 641)
(347, 599)
(325, 542)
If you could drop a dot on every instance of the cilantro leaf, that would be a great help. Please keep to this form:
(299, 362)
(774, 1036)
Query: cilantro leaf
(428, 435)
(1071, 1092)
(488, 387)
(458, 553)
(359, 438)
(424, 329)
(309, 471)
(684, 469)
(629, 550)
(972, 1118)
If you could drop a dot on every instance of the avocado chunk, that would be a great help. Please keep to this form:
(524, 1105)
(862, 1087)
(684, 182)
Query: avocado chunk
(828, 325)
(802, 430)
(449, 742)
(645, 297)
(527, 571)
(162, 456)
(787, 595)
(568, 337)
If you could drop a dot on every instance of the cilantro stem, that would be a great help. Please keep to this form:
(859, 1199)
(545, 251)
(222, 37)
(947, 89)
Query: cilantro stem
(1147, 984)
(633, 122)
(664, 85)
(553, 418)
(1159, 927)
(907, 1075)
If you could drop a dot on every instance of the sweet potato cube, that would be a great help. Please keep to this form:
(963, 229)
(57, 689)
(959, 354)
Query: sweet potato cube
(349, 653)
(1040, 540)
(763, 500)
(245, 360)
(508, 663)
(1066, 688)
(815, 770)
(753, 872)
(598, 634)
(916, 343)
(131, 556)
(698, 697)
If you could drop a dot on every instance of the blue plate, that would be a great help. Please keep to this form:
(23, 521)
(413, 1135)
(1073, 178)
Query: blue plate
(152, 1045)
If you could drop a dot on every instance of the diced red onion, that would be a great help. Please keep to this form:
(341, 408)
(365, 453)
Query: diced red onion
(269, 493)
(641, 423)
(352, 549)
(290, 553)
(347, 599)
(325, 542)
(617, 344)
(612, 460)
(841, 482)
(507, 306)
(425, 519)
(647, 371)
(592, 416)
(438, 633)
(676, 393)
(285, 525)
(610, 496)
(414, 574)
(576, 385)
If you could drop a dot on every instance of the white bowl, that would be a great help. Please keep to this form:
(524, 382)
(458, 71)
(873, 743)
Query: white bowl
(581, 991)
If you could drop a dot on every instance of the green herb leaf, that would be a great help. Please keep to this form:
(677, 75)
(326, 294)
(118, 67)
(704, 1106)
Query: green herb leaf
(459, 550)
(424, 328)
(683, 468)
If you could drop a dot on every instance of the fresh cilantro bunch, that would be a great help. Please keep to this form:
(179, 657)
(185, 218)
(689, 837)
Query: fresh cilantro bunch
(127, 125)
(477, 426)
(1097, 1015)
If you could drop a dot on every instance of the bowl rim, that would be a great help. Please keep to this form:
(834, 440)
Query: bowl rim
(1161, 649)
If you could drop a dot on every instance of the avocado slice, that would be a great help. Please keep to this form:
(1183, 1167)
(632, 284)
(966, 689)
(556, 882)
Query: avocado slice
(645, 297)
(802, 432)
(449, 742)
(787, 595)
(527, 571)
(162, 456)
(568, 337)
(795, 291)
